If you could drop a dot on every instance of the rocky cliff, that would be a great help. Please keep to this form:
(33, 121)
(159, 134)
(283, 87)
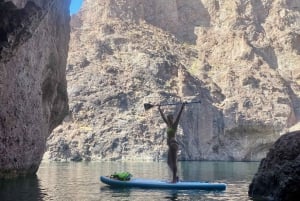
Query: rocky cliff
(240, 58)
(278, 176)
(34, 37)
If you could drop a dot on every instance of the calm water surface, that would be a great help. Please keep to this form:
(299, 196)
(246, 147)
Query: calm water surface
(80, 181)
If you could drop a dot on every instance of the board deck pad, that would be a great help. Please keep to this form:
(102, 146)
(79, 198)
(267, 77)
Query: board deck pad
(163, 184)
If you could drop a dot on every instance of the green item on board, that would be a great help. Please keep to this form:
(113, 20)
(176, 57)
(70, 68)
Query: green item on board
(122, 176)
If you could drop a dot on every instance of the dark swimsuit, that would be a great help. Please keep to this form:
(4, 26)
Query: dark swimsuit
(171, 137)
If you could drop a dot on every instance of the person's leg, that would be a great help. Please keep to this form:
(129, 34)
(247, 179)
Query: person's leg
(171, 163)
(173, 160)
(175, 173)
(169, 160)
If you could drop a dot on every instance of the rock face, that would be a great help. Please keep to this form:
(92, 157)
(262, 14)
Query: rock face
(240, 58)
(34, 38)
(278, 176)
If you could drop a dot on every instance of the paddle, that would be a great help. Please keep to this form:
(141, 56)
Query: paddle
(148, 106)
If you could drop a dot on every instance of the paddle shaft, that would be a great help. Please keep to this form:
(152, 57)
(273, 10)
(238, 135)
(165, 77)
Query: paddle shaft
(177, 103)
(148, 106)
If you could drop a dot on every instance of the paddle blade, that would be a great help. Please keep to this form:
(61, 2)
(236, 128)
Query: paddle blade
(148, 106)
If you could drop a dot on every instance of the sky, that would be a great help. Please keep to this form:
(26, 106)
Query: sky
(75, 6)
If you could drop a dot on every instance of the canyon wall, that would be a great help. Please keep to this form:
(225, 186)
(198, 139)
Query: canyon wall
(240, 58)
(34, 37)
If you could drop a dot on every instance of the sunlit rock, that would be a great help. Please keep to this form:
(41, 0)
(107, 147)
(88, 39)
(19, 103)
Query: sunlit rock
(239, 58)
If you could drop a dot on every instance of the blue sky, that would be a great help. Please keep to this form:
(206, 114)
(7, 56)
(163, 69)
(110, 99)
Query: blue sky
(75, 6)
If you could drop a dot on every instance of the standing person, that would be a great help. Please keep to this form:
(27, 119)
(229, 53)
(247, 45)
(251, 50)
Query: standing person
(171, 140)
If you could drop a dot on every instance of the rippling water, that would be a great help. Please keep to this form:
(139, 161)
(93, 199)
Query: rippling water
(80, 181)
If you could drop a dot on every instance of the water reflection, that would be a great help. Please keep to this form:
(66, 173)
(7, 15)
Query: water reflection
(21, 189)
(217, 171)
(80, 181)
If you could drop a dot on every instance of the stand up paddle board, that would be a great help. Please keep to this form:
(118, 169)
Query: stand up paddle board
(161, 184)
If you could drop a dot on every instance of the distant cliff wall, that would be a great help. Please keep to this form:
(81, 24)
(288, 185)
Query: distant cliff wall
(34, 37)
(241, 58)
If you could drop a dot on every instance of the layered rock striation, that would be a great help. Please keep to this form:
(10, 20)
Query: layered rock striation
(34, 37)
(240, 58)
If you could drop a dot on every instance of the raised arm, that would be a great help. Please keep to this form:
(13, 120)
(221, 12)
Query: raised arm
(162, 115)
(179, 114)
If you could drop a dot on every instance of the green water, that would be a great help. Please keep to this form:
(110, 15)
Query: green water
(80, 181)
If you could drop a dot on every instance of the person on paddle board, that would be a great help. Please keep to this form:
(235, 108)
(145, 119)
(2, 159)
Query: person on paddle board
(171, 140)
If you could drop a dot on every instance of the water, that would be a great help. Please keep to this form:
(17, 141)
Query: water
(80, 181)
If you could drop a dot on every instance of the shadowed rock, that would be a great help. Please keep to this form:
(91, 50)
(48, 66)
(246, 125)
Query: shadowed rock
(278, 176)
(33, 96)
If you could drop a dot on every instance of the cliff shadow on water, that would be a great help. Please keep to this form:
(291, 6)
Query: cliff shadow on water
(21, 189)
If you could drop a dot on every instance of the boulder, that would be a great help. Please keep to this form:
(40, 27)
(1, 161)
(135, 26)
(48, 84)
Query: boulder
(278, 176)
